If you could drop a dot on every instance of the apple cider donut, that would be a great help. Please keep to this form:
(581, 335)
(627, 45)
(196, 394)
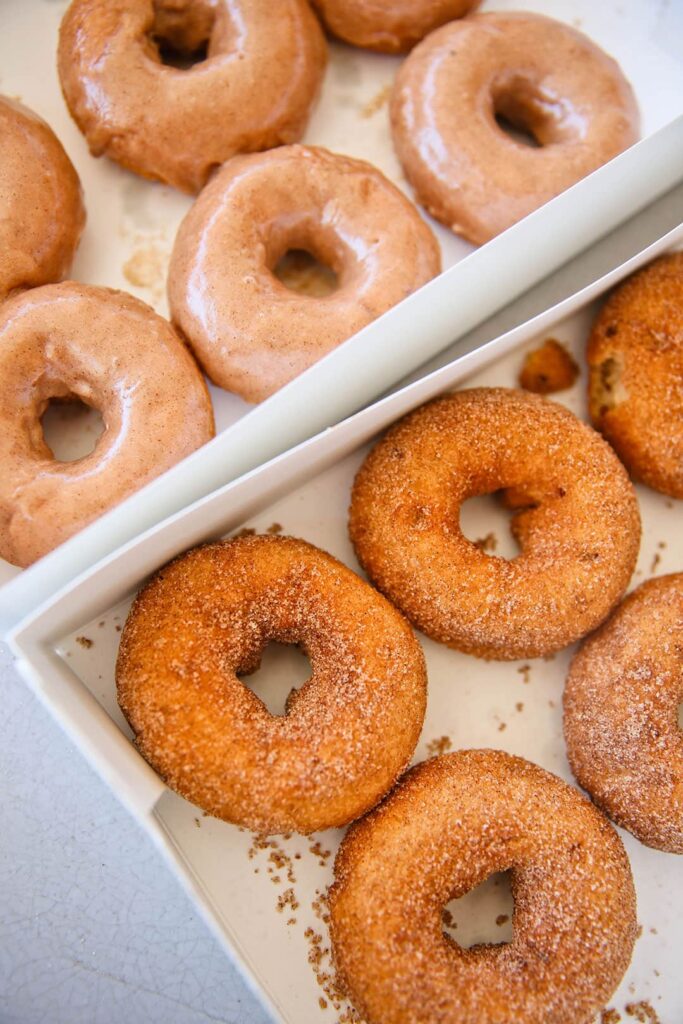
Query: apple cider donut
(254, 88)
(575, 518)
(249, 331)
(635, 358)
(41, 204)
(451, 823)
(112, 352)
(347, 733)
(540, 76)
(621, 702)
(389, 26)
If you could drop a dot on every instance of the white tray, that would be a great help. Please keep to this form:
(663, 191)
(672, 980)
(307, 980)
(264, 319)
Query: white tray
(66, 652)
(131, 219)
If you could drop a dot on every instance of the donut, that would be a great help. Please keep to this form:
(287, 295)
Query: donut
(41, 204)
(249, 331)
(635, 360)
(621, 702)
(389, 26)
(347, 733)
(113, 353)
(575, 519)
(463, 83)
(254, 89)
(451, 823)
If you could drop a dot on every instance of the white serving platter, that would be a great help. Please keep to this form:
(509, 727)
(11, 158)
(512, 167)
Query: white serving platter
(132, 223)
(263, 899)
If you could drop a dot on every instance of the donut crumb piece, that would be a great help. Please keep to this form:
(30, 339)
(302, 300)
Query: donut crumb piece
(548, 369)
(643, 1012)
(610, 1016)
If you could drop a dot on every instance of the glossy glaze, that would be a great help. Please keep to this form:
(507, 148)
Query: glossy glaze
(251, 333)
(390, 26)
(115, 354)
(539, 74)
(41, 204)
(254, 90)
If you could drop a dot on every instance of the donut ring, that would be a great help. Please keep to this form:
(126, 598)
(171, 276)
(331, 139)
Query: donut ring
(114, 353)
(41, 203)
(450, 823)
(542, 77)
(248, 330)
(389, 26)
(621, 703)
(635, 358)
(347, 733)
(254, 90)
(576, 521)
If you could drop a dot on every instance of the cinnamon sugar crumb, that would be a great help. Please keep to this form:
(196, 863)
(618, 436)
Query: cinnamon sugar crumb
(84, 641)
(643, 1012)
(274, 528)
(438, 746)
(525, 673)
(502, 727)
(377, 102)
(548, 369)
(610, 1016)
(519, 706)
(488, 544)
(246, 531)
(502, 919)
(655, 562)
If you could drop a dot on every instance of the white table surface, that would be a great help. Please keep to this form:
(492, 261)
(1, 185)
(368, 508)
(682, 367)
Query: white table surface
(93, 928)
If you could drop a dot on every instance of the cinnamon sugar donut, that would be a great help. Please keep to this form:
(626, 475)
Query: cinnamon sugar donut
(115, 354)
(542, 77)
(451, 823)
(249, 331)
(621, 704)
(41, 204)
(254, 89)
(635, 358)
(347, 733)
(575, 518)
(389, 26)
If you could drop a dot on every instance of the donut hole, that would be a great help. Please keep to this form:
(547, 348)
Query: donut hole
(528, 117)
(181, 37)
(301, 271)
(483, 916)
(71, 428)
(486, 521)
(282, 669)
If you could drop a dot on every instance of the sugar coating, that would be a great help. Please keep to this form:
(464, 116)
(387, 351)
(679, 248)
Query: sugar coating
(450, 823)
(635, 357)
(621, 704)
(576, 520)
(348, 732)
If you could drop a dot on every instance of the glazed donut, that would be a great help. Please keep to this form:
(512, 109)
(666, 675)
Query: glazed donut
(635, 359)
(41, 204)
(576, 521)
(249, 331)
(255, 88)
(540, 76)
(621, 703)
(390, 26)
(347, 733)
(451, 823)
(115, 354)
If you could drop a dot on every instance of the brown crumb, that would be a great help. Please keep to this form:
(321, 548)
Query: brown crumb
(502, 727)
(489, 543)
(519, 706)
(548, 369)
(101, 623)
(274, 528)
(502, 919)
(84, 641)
(246, 531)
(552, 704)
(322, 1003)
(643, 1012)
(525, 673)
(639, 932)
(118, 629)
(197, 823)
(377, 102)
(655, 562)
(610, 1016)
(438, 746)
